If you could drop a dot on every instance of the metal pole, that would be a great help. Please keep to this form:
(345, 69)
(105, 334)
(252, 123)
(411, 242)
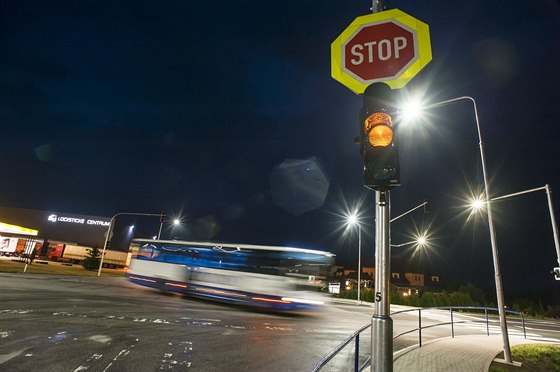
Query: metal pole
(553, 222)
(452, 329)
(109, 230)
(550, 209)
(161, 218)
(159, 232)
(487, 325)
(357, 353)
(359, 261)
(412, 210)
(497, 274)
(403, 244)
(381, 322)
(519, 193)
(498, 277)
(376, 6)
(420, 327)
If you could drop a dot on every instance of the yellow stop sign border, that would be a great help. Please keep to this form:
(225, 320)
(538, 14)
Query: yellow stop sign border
(422, 47)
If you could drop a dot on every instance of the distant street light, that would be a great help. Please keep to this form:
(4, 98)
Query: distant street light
(406, 110)
(420, 242)
(352, 220)
(176, 222)
(110, 231)
(477, 204)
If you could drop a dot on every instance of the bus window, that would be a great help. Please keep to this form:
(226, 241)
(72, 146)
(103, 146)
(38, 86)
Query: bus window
(147, 252)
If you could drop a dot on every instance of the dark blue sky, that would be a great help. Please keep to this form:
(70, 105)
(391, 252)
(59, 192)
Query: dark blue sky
(143, 106)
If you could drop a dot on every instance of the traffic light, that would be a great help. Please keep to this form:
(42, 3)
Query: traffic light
(557, 273)
(377, 139)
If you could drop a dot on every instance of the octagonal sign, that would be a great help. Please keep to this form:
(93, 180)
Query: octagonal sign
(389, 46)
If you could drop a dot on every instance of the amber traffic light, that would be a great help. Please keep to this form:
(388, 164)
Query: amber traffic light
(378, 128)
(377, 139)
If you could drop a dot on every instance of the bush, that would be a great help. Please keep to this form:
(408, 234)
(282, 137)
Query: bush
(93, 259)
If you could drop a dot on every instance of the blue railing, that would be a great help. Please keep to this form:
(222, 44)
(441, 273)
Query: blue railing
(356, 335)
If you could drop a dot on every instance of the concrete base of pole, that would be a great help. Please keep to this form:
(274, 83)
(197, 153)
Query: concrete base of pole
(381, 343)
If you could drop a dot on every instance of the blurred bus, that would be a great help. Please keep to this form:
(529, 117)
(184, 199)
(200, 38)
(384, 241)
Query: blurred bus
(281, 278)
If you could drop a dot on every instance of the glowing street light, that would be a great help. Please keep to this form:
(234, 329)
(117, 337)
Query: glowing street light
(420, 242)
(410, 111)
(406, 110)
(477, 204)
(163, 218)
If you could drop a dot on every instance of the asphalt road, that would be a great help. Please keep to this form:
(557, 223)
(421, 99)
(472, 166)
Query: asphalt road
(62, 323)
(66, 323)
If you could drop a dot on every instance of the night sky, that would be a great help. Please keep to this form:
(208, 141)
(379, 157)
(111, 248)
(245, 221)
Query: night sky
(198, 108)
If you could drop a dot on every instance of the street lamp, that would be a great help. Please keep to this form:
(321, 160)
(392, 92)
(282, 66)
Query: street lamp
(495, 256)
(110, 232)
(176, 222)
(420, 242)
(477, 204)
(351, 221)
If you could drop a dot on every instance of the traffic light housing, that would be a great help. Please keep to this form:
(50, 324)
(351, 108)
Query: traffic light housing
(378, 145)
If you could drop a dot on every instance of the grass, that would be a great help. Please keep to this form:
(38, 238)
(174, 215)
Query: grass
(52, 268)
(533, 357)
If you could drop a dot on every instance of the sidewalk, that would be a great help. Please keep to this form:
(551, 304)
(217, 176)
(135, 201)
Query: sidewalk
(462, 353)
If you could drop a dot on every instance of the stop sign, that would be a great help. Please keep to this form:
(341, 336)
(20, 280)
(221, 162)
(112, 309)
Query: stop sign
(390, 47)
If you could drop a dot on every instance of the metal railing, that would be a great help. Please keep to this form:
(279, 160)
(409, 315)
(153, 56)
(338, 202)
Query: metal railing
(356, 335)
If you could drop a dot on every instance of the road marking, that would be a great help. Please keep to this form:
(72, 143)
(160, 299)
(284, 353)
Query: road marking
(5, 357)
(178, 355)
(15, 311)
(100, 338)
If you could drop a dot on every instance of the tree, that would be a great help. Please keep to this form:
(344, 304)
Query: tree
(92, 260)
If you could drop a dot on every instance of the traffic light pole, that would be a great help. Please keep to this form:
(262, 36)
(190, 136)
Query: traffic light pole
(381, 322)
(546, 188)
(553, 221)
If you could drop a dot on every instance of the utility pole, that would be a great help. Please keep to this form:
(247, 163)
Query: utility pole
(381, 322)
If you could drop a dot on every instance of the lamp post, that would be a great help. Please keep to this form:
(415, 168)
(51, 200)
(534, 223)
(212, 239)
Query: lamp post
(161, 219)
(110, 229)
(477, 205)
(495, 256)
(353, 220)
(176, 221)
